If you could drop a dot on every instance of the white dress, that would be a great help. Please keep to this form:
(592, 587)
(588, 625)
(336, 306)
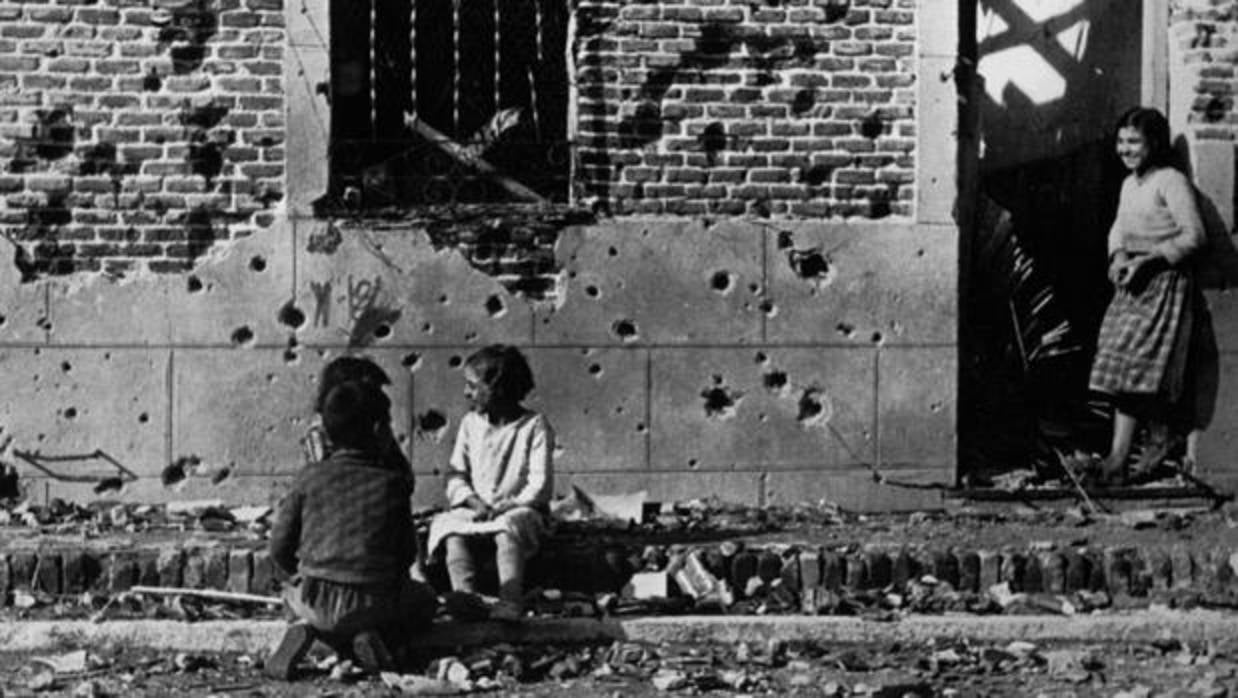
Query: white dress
(506, 463)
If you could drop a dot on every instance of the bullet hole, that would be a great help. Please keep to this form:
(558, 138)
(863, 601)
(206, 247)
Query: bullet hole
(719, 400)
(812, 406)
(220, 475)
(179, 470)
(816, 175)
(470, 336)
(109, 484)
(152, 82)
(920, 252)
(809, 264)
(291, 316)
(595, 370)
(205, 158)
(720, 281)
(431, 422)
(775, 380)
(1216, 109)
(455, 361)
(768, 307)
(935, 407)
(877, 337)
(270, 377)
(66, 366)
(442, 299)
(3, 320)
(258, 263)
(713, 140)
(592, 291)
(760, 357)
(193, 284)
(871, 126)
(612, 252)
(242, 335)
(427, 328)
(411, 361)
(101, 159)
(762, 417)
(291, 356)
(693, 463)
(845, 329)
(374, 322)
(325, 240)
(836, 10)
(640, 427)
(785, 240)
(619, 409)
(803, 102)
(624, 330)
(53, 133)
(70, 413)
(495, 307)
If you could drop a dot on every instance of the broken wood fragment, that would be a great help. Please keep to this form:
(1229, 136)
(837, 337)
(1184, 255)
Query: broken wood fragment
(207, 594)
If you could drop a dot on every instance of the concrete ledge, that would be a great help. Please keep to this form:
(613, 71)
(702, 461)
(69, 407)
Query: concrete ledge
(255, 637)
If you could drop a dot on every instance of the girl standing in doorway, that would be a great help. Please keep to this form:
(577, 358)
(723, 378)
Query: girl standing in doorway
(1156, 348)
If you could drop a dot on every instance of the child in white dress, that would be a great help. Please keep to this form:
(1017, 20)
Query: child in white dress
(500, 478)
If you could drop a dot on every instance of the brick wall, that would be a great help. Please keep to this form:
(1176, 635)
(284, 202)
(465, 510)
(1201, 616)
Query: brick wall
(780, 107)
(1202, 36)
(137, 134)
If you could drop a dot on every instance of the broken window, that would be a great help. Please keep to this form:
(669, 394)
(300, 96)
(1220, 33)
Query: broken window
(447, 102)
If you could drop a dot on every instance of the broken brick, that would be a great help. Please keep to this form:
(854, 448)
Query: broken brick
(1013, 566)
(170, 565)
(1117, 571)
(263, 578)
(1078, 571)
(833, 570)
(122, 571)
(880, 569)
(240, 570)
(22, 566)
(969, 571)
(1052, 572)
(47, 573)
(946, 567)
(215, 572)
(904, 569)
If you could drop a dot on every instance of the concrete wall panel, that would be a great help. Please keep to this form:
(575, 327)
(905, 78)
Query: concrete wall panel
(863, 284)
(247, 409)
(88, 312)
(243, 409)
(397, 280)
(657, 281)
(437, 405)
(916, 405)
(236, 297)
(740, 408)
(69, 402)
(856, 491)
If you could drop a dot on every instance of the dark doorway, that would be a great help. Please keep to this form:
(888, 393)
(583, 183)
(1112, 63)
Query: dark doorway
(1055, 75)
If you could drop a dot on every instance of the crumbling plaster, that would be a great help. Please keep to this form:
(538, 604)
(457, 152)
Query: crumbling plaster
(222, 360)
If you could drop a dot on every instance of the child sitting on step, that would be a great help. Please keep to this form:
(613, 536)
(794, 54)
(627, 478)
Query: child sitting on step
(500, 478)
(345, 533)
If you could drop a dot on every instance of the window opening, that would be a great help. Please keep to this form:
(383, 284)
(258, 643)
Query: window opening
(463, 101)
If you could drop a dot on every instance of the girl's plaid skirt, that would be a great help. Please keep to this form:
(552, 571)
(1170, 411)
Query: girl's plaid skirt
(1144, 339)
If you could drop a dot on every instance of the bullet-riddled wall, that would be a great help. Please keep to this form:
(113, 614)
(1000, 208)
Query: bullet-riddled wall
(769, 355)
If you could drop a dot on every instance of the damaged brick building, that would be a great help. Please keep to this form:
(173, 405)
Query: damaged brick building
(738, 239)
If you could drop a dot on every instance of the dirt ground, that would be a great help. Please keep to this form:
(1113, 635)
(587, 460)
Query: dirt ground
(1163, 668)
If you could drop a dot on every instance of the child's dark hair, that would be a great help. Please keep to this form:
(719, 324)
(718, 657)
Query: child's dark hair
(1155, 129)
(350, 412)
(344, 369)
(504, 370)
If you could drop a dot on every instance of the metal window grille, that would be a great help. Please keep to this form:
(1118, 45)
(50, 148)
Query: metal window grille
(448, 101)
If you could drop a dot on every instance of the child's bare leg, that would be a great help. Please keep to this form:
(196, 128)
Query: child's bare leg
(509, 559)
(1192, 451)
(461, 568)
(1123, 435)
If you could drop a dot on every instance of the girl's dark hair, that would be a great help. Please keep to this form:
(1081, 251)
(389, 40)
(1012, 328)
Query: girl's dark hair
(1155, 129)
(351, 410)
(504, 370)
(348, 369)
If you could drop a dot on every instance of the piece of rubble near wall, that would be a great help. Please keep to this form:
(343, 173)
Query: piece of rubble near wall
(1148, 572)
